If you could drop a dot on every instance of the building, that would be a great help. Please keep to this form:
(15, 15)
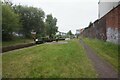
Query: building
(109, 12)
(81, 30)
(77, 31)
(105, 6)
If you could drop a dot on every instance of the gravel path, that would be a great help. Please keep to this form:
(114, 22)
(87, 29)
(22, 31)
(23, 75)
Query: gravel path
(104, 69)
(59, 42)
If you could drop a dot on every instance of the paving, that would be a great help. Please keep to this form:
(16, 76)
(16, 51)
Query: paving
(103, 68)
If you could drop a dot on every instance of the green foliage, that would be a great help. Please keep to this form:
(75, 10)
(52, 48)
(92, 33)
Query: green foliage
(31, 18)
(10, 21)
(51, 27)
(19, 19)
(69, 33)
(0, 22)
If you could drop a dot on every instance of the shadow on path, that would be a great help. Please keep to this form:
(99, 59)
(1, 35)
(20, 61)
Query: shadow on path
(104, 69)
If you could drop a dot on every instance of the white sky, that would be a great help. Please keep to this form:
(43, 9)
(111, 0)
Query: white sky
(71, 14)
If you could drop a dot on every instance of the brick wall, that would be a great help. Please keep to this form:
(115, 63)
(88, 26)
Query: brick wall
(96, 30)
(112, 18)
(112, 25)
(106, 28)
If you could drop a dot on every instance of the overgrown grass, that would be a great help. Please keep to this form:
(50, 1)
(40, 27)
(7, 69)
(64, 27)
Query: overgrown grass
(0, 65)
(48, 61)
(0, 45)
(16, 42)
(108, 51)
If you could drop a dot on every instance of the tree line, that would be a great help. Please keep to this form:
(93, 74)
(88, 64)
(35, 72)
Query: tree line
(22, 20)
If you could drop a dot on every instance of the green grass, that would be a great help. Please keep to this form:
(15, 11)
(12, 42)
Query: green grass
(106, 50)
(48, 61)
(0, 65)
(0, 44)
(16, 42)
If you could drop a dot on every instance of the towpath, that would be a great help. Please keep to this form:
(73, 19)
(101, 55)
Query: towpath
(103, 68)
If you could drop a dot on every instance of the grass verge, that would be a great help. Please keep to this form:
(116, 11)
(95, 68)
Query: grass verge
(16, 42)
(48, 61)
(106, 50)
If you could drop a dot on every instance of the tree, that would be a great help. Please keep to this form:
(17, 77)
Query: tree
(10, 22)
(0, 12)
(32, 20)
(90, 24)
(24, 20)
(50, 25)
(69, 33)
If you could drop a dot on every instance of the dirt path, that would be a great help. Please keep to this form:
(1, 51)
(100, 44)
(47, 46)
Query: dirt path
(104, 69)
(59, 42)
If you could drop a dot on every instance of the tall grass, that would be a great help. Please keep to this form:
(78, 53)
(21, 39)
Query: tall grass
(106, 50)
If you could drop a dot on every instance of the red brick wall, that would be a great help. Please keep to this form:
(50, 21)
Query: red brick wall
(119, 17)
(112, 18)
(113, 25)
(106, 28)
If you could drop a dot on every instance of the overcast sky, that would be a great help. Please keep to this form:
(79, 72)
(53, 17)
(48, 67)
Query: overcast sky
(71, 14)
